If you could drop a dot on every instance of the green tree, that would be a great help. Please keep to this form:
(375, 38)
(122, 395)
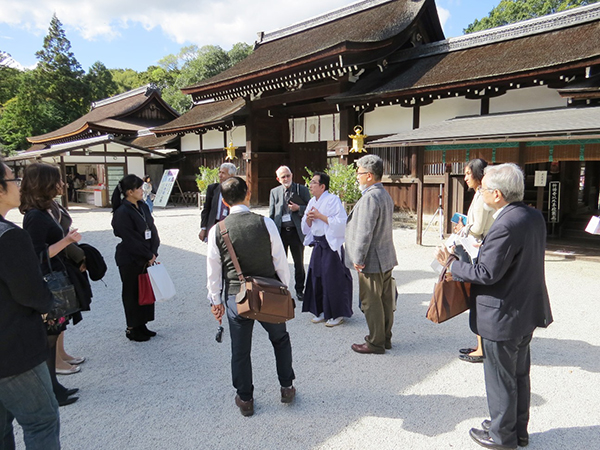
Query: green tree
(126, 79)
(239, 52)
(100, 82)
(511, 11)
(60, 78)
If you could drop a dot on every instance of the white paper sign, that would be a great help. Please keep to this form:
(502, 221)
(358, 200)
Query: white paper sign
(165, 187)
(541, 177)
(593, 226)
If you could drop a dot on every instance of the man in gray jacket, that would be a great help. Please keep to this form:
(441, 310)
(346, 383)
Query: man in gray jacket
(370, 251)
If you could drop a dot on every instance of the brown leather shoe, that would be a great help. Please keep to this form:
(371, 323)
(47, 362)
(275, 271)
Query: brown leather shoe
(364, 348)
(388, 345)
(246, 407)
(288, 394)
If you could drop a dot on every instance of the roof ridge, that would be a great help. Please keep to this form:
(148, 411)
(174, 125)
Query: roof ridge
(544, 24)
(146, 89)
(316, 21)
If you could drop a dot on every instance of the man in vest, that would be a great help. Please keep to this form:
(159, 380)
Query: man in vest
(260, 252)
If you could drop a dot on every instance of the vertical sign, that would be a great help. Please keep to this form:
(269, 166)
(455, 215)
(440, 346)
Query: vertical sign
(165, 187)
(554, 202)
(540, 178)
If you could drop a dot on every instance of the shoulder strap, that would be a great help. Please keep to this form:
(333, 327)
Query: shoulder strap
(234, 259)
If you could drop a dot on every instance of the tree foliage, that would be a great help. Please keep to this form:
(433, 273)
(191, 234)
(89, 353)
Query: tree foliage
(58, 91)
(511, 11)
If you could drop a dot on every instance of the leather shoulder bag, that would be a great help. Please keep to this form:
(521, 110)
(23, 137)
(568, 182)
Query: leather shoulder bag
(260, 298)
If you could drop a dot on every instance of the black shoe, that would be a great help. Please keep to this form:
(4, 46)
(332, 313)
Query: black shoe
(136, 334)
(483, 438)
(144, 329)
(466, 351)
(64, 401)
(70, 392)
(522, 441)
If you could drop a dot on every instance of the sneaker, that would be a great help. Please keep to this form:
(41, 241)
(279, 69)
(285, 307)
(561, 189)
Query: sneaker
(334, 322)
(318, 319)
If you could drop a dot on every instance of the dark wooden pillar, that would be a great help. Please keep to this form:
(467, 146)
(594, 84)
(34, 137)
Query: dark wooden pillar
(252, 156)
(420, 159)
(447, 201)
(63, 174)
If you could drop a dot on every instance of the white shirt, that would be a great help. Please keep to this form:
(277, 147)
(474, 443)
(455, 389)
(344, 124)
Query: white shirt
(214, 270)
(334, 231)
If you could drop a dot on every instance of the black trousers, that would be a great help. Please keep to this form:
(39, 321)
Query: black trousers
(292, 241)
(240, 330)
(506, 367)
(135, 315)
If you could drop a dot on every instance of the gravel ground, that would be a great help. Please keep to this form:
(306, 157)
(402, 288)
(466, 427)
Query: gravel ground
(175, 392)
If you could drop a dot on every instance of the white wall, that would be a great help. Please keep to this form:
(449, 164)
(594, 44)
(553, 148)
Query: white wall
(527, 99)
(239, 136)
(213, 139)
(448, 108)
(190, 142)
(388, 120)
(135, 165)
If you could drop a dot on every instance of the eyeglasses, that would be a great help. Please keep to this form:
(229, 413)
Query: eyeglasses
(481, 189)
(285, 176)
(16, 180)
(361, 173)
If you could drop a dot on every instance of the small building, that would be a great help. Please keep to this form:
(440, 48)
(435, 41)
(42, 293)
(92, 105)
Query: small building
(108, 142)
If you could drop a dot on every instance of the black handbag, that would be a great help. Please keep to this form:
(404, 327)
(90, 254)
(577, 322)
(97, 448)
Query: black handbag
(63, 292)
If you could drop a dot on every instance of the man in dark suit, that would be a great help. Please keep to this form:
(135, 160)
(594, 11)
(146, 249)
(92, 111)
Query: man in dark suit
(510, 300)
(214, 209)
(287, 204)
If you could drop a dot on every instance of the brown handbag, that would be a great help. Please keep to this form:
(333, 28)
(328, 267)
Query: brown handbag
(260, 298)
(450, 298)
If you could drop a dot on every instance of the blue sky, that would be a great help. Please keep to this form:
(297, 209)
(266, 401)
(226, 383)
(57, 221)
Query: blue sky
(135, 34)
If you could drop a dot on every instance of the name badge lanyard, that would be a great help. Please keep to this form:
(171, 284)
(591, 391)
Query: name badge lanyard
(147, 233)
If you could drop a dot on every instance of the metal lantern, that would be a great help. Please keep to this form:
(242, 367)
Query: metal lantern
(230, 149)
(358, 140)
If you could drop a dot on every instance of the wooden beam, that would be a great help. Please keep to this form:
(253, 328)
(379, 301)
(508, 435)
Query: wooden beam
(300, 95)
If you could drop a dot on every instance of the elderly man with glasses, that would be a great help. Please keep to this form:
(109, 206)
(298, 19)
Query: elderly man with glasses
(370, 251)
(509, 301)
(287, 204)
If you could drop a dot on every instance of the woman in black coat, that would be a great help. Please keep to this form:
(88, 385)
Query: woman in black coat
(138, 249)
(49, 224)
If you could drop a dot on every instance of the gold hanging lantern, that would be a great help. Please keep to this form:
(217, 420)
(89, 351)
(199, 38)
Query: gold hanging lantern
(358, 140)
(230, 149)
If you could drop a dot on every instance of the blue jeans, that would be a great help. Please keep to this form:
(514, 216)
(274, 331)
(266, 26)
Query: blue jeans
(150, 203)
(28, 397)
(240, 330)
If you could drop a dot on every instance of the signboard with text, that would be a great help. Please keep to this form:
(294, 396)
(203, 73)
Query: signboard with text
(554, 202)
(165, 187)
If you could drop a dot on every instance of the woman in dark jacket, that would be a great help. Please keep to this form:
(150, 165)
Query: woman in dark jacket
(25, 385)
(133, 223)
(48, 224)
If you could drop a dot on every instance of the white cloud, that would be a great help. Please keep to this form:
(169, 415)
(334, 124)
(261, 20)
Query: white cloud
(444, 15)
(223, 22)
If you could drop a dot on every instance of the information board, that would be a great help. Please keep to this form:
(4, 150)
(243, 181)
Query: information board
(554, 202)
(165, 187)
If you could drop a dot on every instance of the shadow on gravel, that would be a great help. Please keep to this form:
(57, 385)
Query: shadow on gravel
(566, 353)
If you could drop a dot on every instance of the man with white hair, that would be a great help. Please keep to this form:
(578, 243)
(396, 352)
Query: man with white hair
(214, 209)
(509, 301)
(287, 204)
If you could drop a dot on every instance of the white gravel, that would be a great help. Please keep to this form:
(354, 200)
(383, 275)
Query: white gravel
(175, 391)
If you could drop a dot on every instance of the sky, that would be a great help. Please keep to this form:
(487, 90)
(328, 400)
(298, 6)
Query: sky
(138, 33)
